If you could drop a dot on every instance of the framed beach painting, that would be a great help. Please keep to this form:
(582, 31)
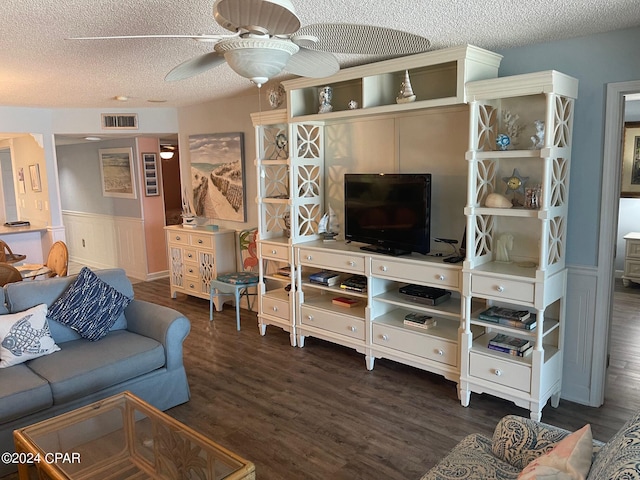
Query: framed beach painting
(117, 172)
(218, 176)
(631, 160)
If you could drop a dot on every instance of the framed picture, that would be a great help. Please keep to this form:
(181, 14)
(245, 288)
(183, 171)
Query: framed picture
(116, 172)
(631, 160)
(150, 169)
(218, 176)
(34, 173)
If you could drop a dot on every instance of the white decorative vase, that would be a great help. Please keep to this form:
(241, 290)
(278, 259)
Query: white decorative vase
(406, 92)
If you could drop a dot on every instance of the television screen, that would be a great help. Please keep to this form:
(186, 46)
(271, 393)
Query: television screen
(390, 212)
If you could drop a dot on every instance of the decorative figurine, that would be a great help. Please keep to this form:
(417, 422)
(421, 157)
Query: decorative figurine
(352, 105)
(511, 126)
(532, 197)
(325, 96)
(328, 226)
(503, 141)
(505, 245)
(276, 95)
(406, 92)
(515, 184)
(495, 200)
(538, 139)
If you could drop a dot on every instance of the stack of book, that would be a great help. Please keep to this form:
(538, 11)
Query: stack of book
(522, 319)
(345, 302)
(419, 320)
(325, 277)
(511, 345)
(356, 283)
(283, 272)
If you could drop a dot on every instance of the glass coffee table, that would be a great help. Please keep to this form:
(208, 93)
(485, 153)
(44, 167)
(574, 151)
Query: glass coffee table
(122, 437)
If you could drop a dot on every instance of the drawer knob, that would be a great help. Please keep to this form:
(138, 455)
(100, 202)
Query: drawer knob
(200, 240)
(275, 309)
(310, 317)
(498, 372)
(440, 352)
(177, 237)
(383, 268)
(189, 255)
(309, 257)
(191, 285)
(385, 338)
(273, 252)
(353, 329)
(441, 277)
(191, 270)
(500, 288)
(352, 263)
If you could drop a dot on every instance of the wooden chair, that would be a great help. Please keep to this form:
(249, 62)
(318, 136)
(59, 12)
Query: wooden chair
(7, 256)
(236, 284)
(58, 260)
(9, 274)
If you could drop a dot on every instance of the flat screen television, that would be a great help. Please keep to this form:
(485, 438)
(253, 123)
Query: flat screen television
(389, 212)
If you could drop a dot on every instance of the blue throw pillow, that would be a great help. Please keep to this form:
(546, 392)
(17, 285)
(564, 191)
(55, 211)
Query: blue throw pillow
(89, 306)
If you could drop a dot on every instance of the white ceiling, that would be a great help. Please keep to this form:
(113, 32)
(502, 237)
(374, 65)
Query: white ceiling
(39, 67)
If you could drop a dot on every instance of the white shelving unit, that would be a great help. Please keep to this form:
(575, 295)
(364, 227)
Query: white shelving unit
(289, 162)
(534, 277)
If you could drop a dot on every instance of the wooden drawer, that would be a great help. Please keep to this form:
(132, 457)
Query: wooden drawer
(632, 268)
(190, 255)
(191, 269)
(502, 288)
(425, 273)
(342, 324)
(633, 248)
(277, 252)
(198, 240)
(433, 348)
(275, 307)
(344, 262)
(192, 284)
(179, 238)
(503, 372)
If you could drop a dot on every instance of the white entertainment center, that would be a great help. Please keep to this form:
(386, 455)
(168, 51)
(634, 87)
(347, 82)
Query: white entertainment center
(301, 160)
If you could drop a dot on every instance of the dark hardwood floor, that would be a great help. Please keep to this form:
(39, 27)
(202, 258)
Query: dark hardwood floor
(317, 413)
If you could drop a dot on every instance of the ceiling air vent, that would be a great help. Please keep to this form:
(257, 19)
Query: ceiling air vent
(127, 121)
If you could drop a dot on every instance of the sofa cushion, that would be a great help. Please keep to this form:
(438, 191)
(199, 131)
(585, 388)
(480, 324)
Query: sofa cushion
(22, 295)
(570, 459)
(3, 307)
(24, 336)
(89, 305)
(82, 367)
(472, 458)
(618, 458)
(22, 392)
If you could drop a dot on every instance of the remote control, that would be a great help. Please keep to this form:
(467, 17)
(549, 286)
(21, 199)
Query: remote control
(454, 259)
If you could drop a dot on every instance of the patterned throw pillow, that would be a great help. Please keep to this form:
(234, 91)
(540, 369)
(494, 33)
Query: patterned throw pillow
(89, 306)
(570, 459)
(25, 335)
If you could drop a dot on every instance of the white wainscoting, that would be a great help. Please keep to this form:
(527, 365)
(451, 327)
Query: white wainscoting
(104, 241)
(582, 283)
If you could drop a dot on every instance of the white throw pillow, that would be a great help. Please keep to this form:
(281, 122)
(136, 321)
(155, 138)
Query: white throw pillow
(25, 335)
(570, 459)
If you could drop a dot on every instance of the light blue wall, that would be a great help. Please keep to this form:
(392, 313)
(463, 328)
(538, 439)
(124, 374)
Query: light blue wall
(80, 180)
(595, 61)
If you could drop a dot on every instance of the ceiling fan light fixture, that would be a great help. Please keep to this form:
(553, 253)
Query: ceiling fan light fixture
(166, 155)
(257, 59)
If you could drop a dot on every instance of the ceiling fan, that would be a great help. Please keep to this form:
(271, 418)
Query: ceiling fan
(268, 39)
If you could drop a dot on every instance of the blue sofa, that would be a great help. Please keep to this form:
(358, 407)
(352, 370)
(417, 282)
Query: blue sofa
(142, 353)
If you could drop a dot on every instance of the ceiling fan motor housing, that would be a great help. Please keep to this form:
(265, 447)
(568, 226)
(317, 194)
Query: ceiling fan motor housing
(277, 17)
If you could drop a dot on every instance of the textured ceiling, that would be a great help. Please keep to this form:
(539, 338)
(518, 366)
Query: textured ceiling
(39, 67)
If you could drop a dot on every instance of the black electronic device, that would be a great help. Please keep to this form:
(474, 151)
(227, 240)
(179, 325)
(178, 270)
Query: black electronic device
(424, 294)
(19, 223)
(453, 259)
(390, 212)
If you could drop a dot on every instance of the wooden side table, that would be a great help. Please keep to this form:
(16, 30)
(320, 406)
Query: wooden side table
(631, 259)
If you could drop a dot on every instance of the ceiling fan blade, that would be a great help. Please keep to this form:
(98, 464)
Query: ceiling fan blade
(276, 17)
(195, 66)
(312, 63)
(198, 37)
(362, 39)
